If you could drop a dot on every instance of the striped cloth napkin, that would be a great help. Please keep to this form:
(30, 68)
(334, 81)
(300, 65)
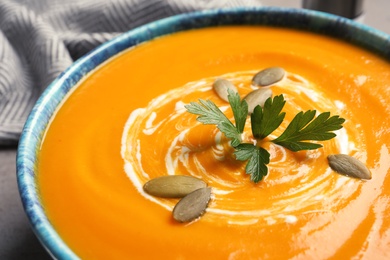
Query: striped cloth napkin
(41, 38)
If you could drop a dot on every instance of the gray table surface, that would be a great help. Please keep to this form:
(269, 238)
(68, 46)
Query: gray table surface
(17, 241)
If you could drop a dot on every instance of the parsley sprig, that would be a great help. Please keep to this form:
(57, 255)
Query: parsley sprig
(264, 120)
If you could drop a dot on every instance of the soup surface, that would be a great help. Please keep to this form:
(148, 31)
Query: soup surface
(126, 124)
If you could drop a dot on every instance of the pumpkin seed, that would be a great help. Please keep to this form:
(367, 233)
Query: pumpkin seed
(349, 166)
(221, 87)
(173, 186)
(268, 76)
(192, 206)
(257, 97)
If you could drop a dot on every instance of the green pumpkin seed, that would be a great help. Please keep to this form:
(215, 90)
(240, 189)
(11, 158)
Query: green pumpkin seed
(257, 97)
(221, 87)
(173, 186)
(192, 206)
(349, 166)
(268, 76)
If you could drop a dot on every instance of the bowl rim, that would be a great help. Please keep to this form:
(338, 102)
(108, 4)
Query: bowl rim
(51, 99)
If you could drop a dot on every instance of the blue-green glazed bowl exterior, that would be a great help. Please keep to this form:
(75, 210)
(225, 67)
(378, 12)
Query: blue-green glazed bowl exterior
(31, 138)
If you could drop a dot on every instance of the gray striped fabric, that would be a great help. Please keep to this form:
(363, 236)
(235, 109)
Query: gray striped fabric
(41, 38)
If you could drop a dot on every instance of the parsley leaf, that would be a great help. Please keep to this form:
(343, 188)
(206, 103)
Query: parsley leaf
(240, 109)
(258, 159)
(265, 120)
(304, 128)
(210, 114)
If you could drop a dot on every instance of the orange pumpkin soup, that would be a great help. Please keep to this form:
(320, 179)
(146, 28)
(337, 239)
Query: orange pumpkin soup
(126, 124)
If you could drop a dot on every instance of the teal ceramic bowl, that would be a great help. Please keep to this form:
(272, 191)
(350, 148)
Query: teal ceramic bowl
(41, 114)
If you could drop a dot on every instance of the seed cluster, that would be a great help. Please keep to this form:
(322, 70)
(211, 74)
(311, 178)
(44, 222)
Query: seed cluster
(264, 79)
(194, 194)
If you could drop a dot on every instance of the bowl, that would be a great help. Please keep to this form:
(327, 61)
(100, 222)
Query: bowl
(52, 98)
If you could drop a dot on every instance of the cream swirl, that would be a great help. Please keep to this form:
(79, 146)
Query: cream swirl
(164, 139)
